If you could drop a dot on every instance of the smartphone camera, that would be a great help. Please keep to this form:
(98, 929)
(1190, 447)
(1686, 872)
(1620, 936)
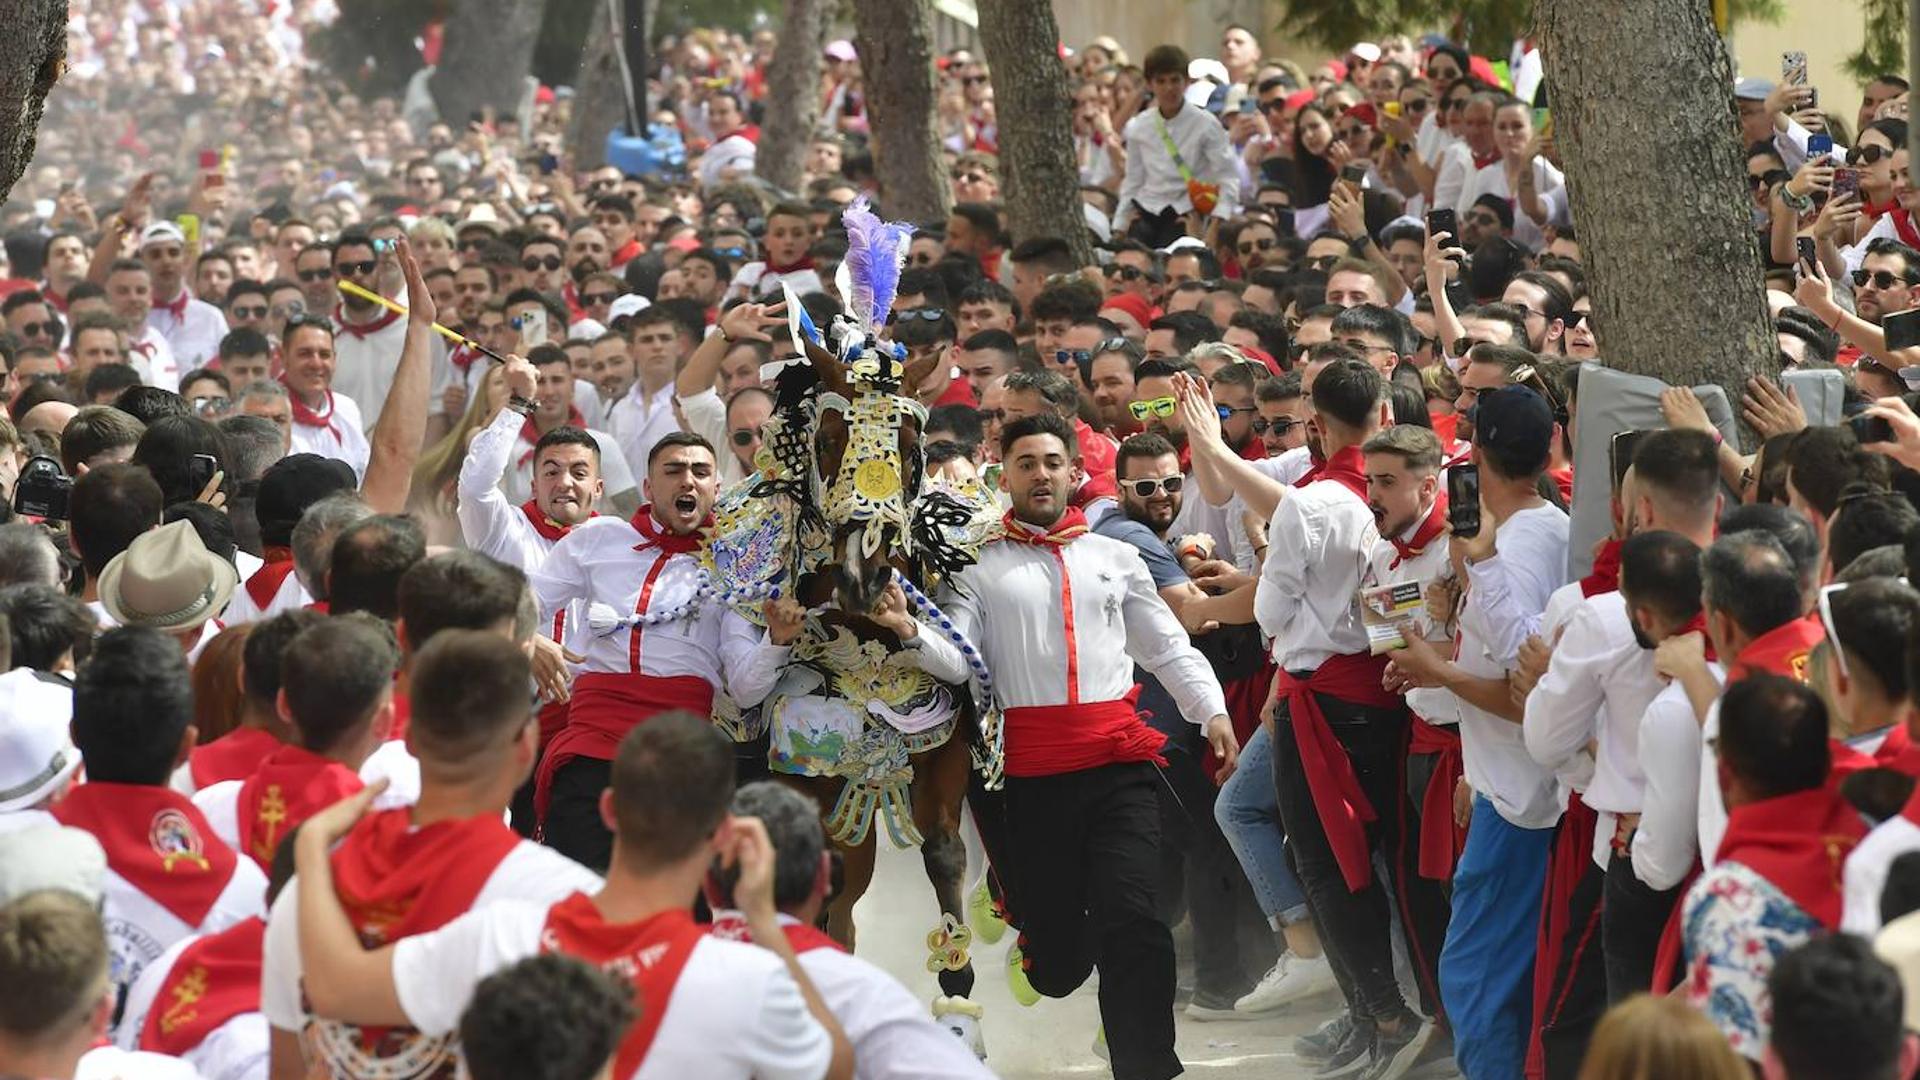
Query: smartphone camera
(42, 490)
(385, 245)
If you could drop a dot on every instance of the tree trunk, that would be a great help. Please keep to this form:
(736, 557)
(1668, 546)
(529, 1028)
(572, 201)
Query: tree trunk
(1656, 180)
(486, 58)
(895, 42)
(33, 52)
(1035, 112)
(793, 96)
(600, 89)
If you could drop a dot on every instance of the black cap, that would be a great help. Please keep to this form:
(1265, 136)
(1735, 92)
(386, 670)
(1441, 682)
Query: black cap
(292, 484)
(1515, 421)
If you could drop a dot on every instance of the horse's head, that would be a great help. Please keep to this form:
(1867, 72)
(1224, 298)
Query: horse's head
(867, 468)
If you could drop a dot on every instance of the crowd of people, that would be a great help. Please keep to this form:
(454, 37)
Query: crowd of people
(360, 670)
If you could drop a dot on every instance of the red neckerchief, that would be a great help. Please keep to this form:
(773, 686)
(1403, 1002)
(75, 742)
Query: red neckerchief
(732, 926)
(1563, 479)
(1071, 526)
(1605, 576)
(652, 535)
(1348, 468)
(54, 300)
(1481, 161)
(1429, 529)
(548, 528)
(1797, 842)
(627, 253)
(1782, 651)
(805, 262)
(1698, 625)
(177, 307)
(289, 787)
(530, 434)
(157, 841)
(233, 756)
(463, 355)
(265, 583)
(1869, 210)
(380, 322)
(650, 954)
(1903, 224)
(213, 980)
(306, 417)
(571, 297)
(1316, 466)
(1898, 751)
(396, 881)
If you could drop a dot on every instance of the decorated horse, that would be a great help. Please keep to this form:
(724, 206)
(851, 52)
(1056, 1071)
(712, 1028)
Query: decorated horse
(839, 513)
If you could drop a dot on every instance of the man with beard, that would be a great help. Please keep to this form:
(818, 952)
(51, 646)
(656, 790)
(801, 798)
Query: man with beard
(546, 405)
(1110, 376)
(789, 234)
(586, 256)
(541, 259)
(1887, 283)
(1061, 617)
(644, 566)
(368, 336)
(313, 267)
(1155, 406)
(130, 291)
(1030, 393)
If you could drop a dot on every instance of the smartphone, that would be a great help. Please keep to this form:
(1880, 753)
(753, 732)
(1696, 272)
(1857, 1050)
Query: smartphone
(1444, 220)
(1808, 254)
(1846, 182)
(1793, 68)
(200, 472)
(533, 328)
(1902, 329)
(209, 160)
(1620, 454)
(1249, 105)
(1819, 144)
(1355, 172)
(1871, 429)
(1463, 501)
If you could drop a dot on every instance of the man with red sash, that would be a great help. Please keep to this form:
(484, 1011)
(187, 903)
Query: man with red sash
(1339, 737)
(200, 1002)
(235, 755)
(661, 645)
(169, 876)
(1865, 619)
(1776, 881)
(413, 869)
(336, 694)
(892, 1036)
(287, 489)
(1061, 617)
(706, 1006)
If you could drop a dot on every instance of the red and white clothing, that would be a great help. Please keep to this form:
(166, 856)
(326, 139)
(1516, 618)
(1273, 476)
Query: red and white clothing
(641, 419)
(168, 873)
(396, 880)
(516, 478)
(332, 429)
(716, 1009)
(490, 522)
(233, 756)
(153, 358)
(1784, 650)
(200, 1002)
(1867, 867)
(365, 355)
(268, 591)
(193, 329)
(290, 785)
(758, 279)
(892, 1036)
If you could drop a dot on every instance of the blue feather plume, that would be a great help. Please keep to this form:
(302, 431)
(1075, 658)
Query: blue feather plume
(876, 251)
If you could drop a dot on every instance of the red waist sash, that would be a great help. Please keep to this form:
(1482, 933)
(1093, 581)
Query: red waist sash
(1568, 862)
(606, 706)
(1441, 838)
(1342, 805)
(1046, 740)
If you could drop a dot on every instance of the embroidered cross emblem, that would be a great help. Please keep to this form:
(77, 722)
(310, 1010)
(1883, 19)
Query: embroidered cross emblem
(272, 813)
(1111, 607)
(186, 995)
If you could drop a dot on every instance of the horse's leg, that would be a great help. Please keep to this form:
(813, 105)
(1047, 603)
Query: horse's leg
(856, 874)
(939, 785)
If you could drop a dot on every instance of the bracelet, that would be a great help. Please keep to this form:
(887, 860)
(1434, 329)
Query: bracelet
(1799, 204)
(724, 336)
(523, 406)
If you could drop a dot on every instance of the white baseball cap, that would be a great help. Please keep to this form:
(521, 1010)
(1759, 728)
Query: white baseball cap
(630, 304)
(161, 232)
(37, 756)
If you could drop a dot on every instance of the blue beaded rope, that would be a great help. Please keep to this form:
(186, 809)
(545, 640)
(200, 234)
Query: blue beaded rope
(939, 619)
(704, 591)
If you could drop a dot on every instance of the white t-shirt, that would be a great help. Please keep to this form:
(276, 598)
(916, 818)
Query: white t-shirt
(342, 439)
(1866, 872)
(113, 1063)
(139, 929)
(734, 1013)
(236, 1050)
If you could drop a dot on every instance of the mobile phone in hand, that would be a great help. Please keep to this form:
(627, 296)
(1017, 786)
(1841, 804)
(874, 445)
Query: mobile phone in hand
(1463, 501)
(1444, 220)
(1819, 144)
(1871, 429)
(200, 472)
(1808, 254)
(1902, 329)
(1355, 173)
(533, 328)
(1846, 183)
(1793, 68)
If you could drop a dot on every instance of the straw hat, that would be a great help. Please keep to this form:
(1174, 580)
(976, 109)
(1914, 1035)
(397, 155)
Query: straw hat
(167, 579)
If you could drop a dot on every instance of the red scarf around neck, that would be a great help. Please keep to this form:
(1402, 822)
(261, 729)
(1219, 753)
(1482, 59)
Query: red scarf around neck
(652, 534)
(1898, 752)
(157, 841)
(1071, 526)
(732, 926)
(1430, 529)
(1347, 467)
(463, 355)
(305, 416)
(548, 528)
(650, 953)
(396, 881)
(233, 756)
(1782, 651)
(364, 330)
(530, 433)
(1903, 224)
(1605, 576)
(177, 307)
(265, 583)
(1798, 842)
(805, 262)
(212, 981)
(290, 786)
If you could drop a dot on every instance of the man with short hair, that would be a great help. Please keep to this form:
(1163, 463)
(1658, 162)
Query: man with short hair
(107, 509)
(325, 421)
(546, 379)
(1180, 163)
(313, 266)
(1029, 393)
(1379, 333)
(789, 233)
(548, 1017)
(57, 960)
(246, 356)
(660, 342)
(724, 1009)
(65, 265)
(1840, 1009)
(30, 318)
(1546, 305)
(1156, 406)
(985, 305)
(1353, 282)
(262, 730)
(1110, 378)
(97, 340)
(98, 435)
(193, 328)
(1772, 887)
(1036, 259)
(130, 291)
(367, 337)
(985, 356)
(170, 872)
(1282, 423)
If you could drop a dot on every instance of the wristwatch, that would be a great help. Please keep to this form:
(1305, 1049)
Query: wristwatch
(523, 406)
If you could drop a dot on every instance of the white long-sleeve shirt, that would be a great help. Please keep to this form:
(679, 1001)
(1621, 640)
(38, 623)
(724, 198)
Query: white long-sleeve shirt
(1547, 180)
(641, 419)
(1009, 605)
(1319, 543)
(1153, 180)
(1433, 705)
(598, 563)
(1866, 872)
(516, 481)
(1667, 839)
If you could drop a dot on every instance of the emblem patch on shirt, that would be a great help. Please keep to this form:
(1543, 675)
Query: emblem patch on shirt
(174, 839)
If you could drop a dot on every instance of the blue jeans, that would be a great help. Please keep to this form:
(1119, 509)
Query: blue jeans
(1248, 810)
(1486, 968)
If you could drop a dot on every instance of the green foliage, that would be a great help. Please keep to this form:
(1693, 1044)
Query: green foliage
(1487, 26)
(1885, 47)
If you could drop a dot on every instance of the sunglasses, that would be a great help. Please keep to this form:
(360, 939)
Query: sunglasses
(366, 266)
(211, 406)
(593, 298)
(291, 309)
(241, 311)
(33, 329)
(551, 262)
(315, 275)
(1881, 279)
(1867, 155)
(1161, 407)
(1126, 273)
(1771, 176)
(1577, 318)
(1353, 134)
(1273, 104)
(1455, 104)
(731, 252)
(1248, 247)
(743, 436)
(929, 314)
(992, 416)
(1146, 486)
(1416, 106)
(1227, 411)
(1063, 357)
(974, 80)
(1323, 262)
(1279, 427)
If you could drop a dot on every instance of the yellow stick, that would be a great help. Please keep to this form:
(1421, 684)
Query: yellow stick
(351, 289)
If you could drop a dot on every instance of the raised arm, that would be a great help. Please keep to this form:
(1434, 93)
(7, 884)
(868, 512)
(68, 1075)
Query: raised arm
(483, 510)
(742, 322)
(1221, 472)
(402, 426)
(113, 232)
(1441, 266)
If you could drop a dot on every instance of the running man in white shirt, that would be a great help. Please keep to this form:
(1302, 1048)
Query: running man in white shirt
(711, 1008)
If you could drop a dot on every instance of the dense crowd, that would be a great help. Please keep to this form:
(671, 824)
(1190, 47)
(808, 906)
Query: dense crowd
(361, 657)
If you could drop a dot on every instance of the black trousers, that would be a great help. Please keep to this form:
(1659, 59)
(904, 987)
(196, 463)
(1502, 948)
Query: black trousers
(1631, 921)
(1424, 905)
(1157, 230)
(573, 826)
(1578, 997)
(1085, 856)
(1355, 927)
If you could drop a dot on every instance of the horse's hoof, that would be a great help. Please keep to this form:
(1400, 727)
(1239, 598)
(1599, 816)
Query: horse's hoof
(962, 1017)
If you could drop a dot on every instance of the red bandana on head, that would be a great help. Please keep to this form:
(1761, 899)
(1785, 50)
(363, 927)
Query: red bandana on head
(653, 535)
(157, 841)
(1071, 526)
(1434, 524)
(530, 434)
(548, 528)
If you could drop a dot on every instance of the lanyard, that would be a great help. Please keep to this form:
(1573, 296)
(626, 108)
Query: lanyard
(1173, 151)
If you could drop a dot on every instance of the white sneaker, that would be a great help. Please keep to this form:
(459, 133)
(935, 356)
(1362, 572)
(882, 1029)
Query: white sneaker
(962, 1017)
(1290, 979)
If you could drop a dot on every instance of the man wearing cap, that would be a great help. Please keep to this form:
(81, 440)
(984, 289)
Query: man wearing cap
(1179, 161)
(1511, 567)
(193, 328)
(37, 756)
(168, 580)
(168, 874)
(290, 486)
